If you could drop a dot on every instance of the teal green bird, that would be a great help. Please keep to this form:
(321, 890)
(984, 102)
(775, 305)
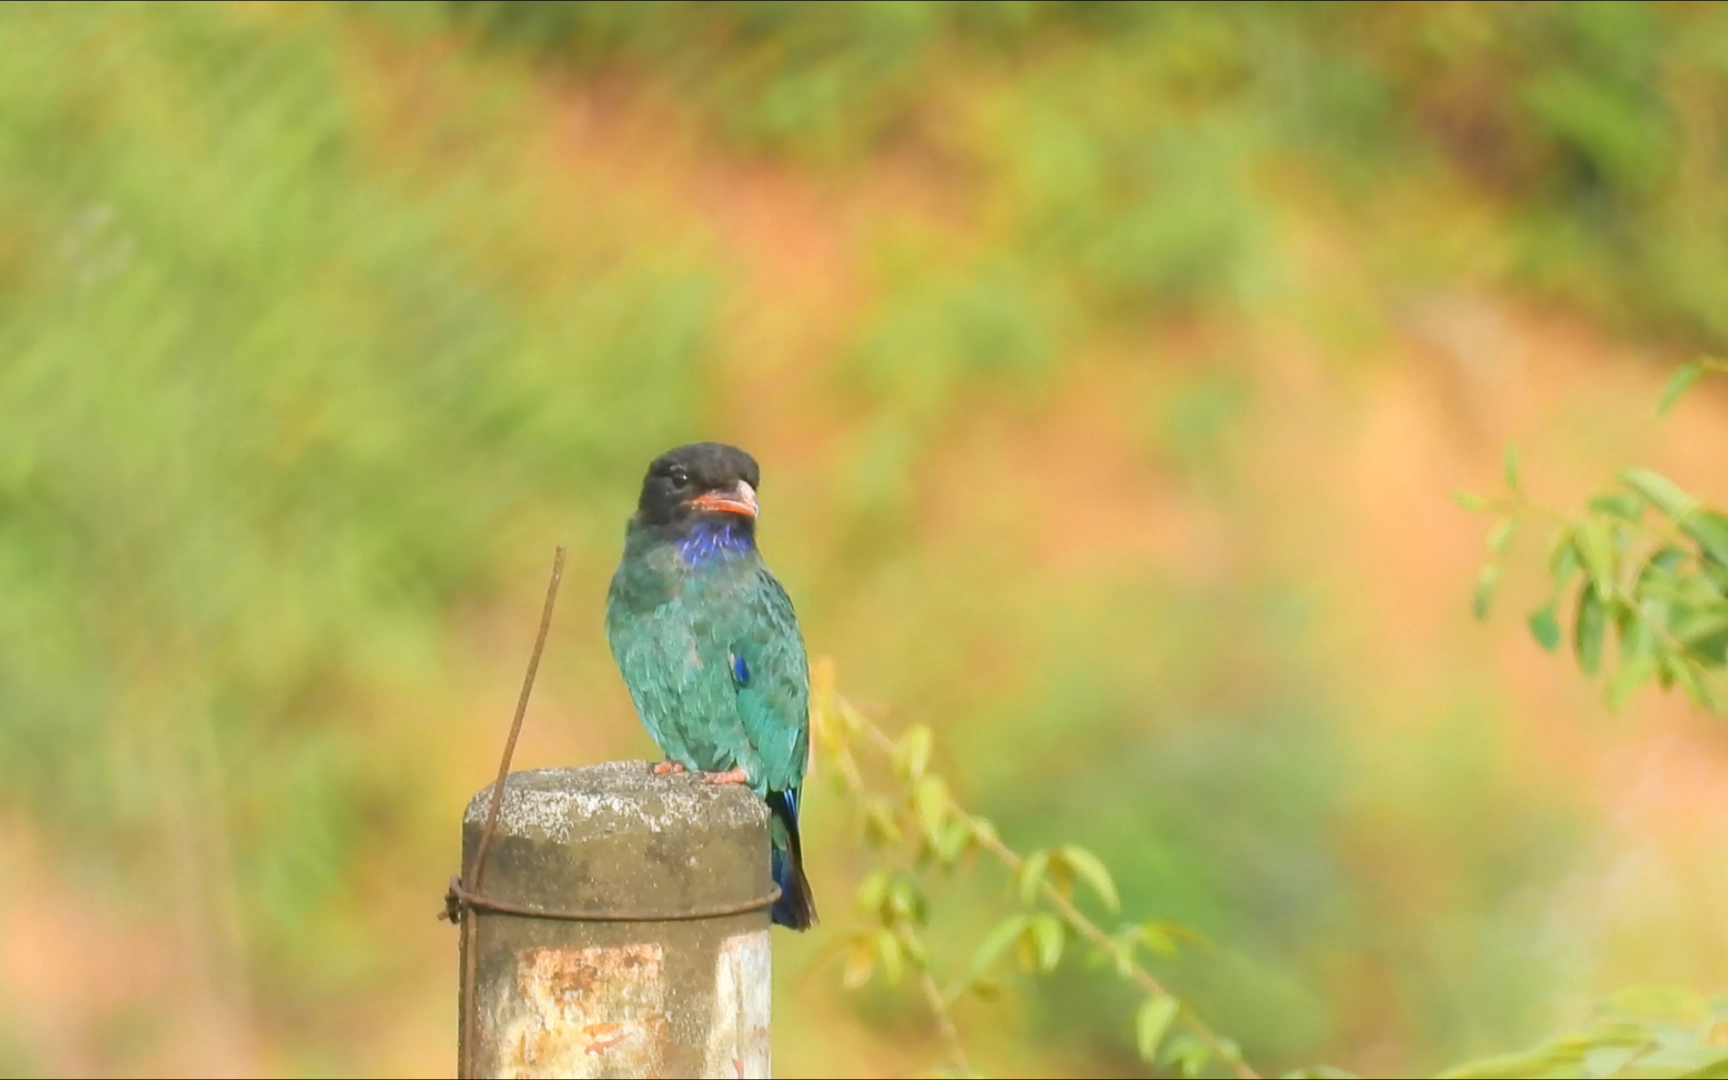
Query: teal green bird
(710, 648)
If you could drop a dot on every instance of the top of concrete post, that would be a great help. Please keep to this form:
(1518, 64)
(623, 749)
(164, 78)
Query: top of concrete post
(617, 837)
(562, 804)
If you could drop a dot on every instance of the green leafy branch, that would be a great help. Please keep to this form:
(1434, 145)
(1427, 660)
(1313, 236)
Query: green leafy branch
(1650, 1034)
(922, 827)
(1638, 1033)
(1646, 562)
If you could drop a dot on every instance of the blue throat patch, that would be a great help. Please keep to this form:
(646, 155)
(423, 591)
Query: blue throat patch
(708, 541)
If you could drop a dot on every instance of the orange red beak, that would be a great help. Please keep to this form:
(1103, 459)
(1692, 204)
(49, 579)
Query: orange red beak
(740, 500)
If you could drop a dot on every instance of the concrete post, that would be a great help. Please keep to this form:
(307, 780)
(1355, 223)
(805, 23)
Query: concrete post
(645, 990)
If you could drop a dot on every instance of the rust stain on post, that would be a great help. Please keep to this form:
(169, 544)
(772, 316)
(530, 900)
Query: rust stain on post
(585, 1012)
(621, 999)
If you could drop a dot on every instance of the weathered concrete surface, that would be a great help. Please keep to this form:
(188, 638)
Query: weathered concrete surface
(620, 999)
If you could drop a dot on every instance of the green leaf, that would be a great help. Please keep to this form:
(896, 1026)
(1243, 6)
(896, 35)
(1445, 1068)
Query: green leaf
(906, 900)
(1545, 628)
(872, 891)
(1097, 956)
(1664, 562)
(1160, 937)
(1122, 949)
(1091, 869)
(1469, 500)
(1510, 466)
(912, 752)
(1152, 1022)
(881, 828)
(1596, 551)
(1501, 535)
(1679, 669)
(1045, 932)
(930, 804)
(1590, 629)
(956, 840)
(1637, 639)
(889, 956)
(1710, 529)
(1678, 383)
(1031, 875)
(1060, 876)
(996, 942)
(1707, 691)
(1660, 490)
(1715, 698)
(1704, 635)
(1486, 579)
(1631, 675)
(985, 989)
(984, 832)
(1628, 507)
(1563, 560)
(1188, 1054)
(916, 950)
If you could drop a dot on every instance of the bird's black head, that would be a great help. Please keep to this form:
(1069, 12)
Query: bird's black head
(700, 482)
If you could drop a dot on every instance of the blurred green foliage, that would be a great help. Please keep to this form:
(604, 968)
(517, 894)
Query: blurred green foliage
(266, 403)
(313, 341)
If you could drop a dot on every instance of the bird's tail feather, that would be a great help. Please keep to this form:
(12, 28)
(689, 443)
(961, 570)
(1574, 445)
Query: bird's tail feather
(796, 907)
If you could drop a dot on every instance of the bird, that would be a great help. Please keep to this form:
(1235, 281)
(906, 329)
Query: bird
(710, 649)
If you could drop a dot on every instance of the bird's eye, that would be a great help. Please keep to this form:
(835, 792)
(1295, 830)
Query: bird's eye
(678, 476)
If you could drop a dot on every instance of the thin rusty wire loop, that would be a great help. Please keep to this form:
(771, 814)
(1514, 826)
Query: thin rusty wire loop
(459, 898)
(471, 901)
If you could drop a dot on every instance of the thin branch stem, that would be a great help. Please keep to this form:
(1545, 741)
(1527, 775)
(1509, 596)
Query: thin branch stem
(939, 1012)
(1063, 906)
(944, 1020)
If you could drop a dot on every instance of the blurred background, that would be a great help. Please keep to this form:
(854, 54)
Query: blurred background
(1110, 367)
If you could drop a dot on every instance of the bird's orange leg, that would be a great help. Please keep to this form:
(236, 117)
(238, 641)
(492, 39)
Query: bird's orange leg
(733, 775)
(667, 767)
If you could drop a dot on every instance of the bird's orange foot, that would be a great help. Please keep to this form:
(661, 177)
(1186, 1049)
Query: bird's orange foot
(667, 767)
(730, 776)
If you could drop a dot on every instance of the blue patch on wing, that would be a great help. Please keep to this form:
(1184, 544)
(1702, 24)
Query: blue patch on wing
(740, 670)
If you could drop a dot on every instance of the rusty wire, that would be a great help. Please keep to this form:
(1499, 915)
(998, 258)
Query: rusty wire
(475, 902)
(460, 899)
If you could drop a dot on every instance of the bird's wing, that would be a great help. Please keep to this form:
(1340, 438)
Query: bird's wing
(669, 682)
(774, 683)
